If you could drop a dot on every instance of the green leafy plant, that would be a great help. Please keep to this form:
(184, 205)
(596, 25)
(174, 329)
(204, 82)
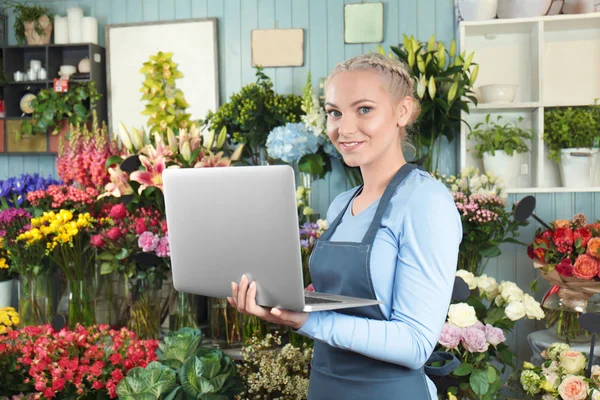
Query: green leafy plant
(50, 108)
(509, 137)
(153, 382)
(252, 113)
(177, 346)
(25, 13)
(571, 127)
(210, 375)
(444, 82)
(166, 105)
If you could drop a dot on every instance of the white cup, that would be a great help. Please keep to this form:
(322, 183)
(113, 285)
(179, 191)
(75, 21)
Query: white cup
(35, 65)
(19, 76)
(42, 74)
(31, 75)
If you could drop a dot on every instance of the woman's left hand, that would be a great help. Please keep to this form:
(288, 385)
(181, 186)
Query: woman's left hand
(244, 300)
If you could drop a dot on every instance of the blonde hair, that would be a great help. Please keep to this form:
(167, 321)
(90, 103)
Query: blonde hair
(397, 75)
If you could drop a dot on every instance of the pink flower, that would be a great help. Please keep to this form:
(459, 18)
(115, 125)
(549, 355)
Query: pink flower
(479, 326)
(148, 241)
(114, 233)
(451, 335)
(473, 340)
(310, 288)
(118, 211)
(140, 226)
(573, 388)
(162, 249)
(97, 241)
(494, 335)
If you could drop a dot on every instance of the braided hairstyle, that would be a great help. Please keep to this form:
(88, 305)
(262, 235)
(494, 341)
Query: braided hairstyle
(399, 83)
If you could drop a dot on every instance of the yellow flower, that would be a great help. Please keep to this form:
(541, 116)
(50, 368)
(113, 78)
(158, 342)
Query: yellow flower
(2, 329)
(3, 264)
(16, 320)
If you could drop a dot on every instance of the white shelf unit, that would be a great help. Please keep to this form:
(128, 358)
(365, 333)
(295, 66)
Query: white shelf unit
(555, 61)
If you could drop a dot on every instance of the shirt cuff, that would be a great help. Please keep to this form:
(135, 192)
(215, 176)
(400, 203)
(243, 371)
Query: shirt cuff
(309, 326)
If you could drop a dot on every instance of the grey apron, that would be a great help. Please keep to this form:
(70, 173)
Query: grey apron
(343, 268)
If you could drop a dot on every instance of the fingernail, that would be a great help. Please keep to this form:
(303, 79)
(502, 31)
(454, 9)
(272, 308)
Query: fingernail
(244, 277)
(232, 285)
(253, 285)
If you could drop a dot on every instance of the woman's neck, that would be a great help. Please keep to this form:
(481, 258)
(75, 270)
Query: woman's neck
(377, 175)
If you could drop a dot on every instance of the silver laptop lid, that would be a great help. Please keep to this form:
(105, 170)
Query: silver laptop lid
(224, 222)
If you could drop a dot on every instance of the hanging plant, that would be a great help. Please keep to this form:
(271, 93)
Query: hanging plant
(24, 14)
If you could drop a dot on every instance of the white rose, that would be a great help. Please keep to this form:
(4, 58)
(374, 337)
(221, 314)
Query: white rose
(510, 291)
(462, 183)
(499, 301)
(595, 375)
(595, 394)
(548, 396)
(572, 361)
(468, 277)
(515, 311)
(462, 315)
(552, 377)
(532, 308)
(454, 188)
(484, 179)
(488, 286)
(322, 224)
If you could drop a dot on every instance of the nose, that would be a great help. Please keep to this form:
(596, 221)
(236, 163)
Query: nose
(347, 125)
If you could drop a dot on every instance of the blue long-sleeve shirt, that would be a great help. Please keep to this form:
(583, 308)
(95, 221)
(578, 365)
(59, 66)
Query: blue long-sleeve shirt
(413, 265)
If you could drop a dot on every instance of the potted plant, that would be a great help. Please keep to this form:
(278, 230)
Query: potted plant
(572, 136)
(33, 24)
(499, 146)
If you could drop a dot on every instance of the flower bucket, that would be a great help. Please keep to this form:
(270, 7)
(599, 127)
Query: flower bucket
(510, 168)
(6, 293)
(33, 37)
(578, 167)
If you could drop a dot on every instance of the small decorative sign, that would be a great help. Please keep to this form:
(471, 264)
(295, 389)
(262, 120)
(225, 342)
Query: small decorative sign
(61, 85)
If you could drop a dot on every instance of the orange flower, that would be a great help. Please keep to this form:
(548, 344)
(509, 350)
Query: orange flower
(595, 227)
(562, 223)
(585, 267)
(593, 247)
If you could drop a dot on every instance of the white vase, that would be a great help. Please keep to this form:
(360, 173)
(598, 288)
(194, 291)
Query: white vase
(74, 16)
(523, 8)
(61, 30)
(578, 6)
(509, 168)
(6, 293)
(89, 30)
(478, 10)
(578, 167)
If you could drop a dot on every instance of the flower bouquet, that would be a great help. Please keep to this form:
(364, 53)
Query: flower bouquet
(57, 197)
(486, 222)
(476, 330)
(13, 191)
(567, 256)
(561, 376)
(28, 258)
(77, 363)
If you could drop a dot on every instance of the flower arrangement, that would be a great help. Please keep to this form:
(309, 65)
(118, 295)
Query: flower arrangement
(270, 372)
(14, 191)
(9, 319)
(57, 197)
(567, 255)
(476, 330)
(82, 157)
(561, 376)
(309, 233)
(486, 222)
(70, 363)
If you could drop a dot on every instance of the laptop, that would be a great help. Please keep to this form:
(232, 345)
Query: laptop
(226, 222)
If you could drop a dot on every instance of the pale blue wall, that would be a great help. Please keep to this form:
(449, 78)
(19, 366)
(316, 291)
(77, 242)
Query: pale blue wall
(324, 47)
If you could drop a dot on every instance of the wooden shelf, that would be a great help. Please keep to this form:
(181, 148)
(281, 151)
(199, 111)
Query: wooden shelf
(506, 106)
(556, 189)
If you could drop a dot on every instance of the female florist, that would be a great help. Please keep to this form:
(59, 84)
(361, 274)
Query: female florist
(462, 105)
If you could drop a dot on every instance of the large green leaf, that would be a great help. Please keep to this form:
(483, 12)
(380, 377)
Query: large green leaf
(479, 382)
(463, 369)
(177, 346)
(150, 383)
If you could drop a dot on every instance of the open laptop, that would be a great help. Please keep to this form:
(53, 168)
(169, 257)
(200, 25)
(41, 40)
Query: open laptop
(226, 222)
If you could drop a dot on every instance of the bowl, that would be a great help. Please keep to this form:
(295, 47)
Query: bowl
(67, 70)
(498, 93)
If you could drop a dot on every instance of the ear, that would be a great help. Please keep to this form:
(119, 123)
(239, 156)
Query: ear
(404, 109)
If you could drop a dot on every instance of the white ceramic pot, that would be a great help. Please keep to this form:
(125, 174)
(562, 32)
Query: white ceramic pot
(509, 168)
(89, 30)
(523, 8)
(578, 167)
(74, 17)
(478, 10)
(578, 6)
(6, 293)
(61, 30)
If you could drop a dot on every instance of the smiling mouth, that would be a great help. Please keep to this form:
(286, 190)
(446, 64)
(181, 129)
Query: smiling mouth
(350, 145)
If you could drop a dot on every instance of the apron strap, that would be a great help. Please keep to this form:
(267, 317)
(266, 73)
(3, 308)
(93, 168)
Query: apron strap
(329, 231)
(446, 369)
(385, 200)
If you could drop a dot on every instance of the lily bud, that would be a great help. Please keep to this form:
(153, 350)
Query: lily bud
(421, 63)
(431, 88)
(237, 154)
(209, 139)
(186, 151)
(468, 61)
(452, 48)
(411, 60)
(473, 77)
(431, 44)
(137, 138)
(222, 137)
(452, 92)
(380, 50)
(172, 140)
(124, 135)
(407, 44)
(421, 87)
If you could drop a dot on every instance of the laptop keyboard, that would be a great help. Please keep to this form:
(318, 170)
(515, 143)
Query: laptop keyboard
(318, 300)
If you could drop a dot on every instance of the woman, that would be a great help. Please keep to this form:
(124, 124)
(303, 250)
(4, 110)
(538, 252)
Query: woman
(393, 239)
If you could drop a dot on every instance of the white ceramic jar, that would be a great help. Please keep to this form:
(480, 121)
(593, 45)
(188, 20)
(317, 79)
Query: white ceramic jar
(478, 10)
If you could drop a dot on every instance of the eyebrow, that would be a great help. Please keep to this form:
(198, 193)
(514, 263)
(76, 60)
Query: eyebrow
(351, 105)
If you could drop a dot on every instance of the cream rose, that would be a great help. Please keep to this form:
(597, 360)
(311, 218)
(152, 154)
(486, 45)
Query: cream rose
(515, 311)
(488, 286)
(573, 388)
(462, 315)
(532, 308)
(572, 361)
(595, 394)
(510, 292)
(595, 375)
(468, 277)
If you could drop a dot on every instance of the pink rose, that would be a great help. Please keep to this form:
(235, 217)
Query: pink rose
(494, 335)
(473, 340)
(140, 226)
(162, 249)
(97, 241)
(114, 233)
(479, 325)
(451, 335)
(118, 211)
(148, 241)
(573, 388)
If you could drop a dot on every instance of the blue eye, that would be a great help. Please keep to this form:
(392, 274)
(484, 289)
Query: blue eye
(364, 110)
(334, 113)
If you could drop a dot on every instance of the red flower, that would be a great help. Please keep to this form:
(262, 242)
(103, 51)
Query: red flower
(118, 211)
(97, 385)
(58, 385)
(115, 358)
(565, 268)
(117, 375)
(97, 241)
(48, 393)
(563, 239)
(114, 233)
(584, 234)
(112, 389)
(140, 226)
(586, 267)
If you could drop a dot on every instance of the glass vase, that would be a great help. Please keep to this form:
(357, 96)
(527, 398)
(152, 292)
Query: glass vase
(253, 327)
(224, 322)
(185, 315)
(470, 260)
(35, 299)
(81, 299)
(144, 308)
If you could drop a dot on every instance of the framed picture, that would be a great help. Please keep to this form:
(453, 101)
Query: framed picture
(363, 23)
(193, 43)
(278, 47)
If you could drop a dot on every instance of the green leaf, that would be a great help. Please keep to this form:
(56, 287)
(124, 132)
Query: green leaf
(312, 164)
(113, 160)
(463, 370)
(107, 268)
(479, 382)
(492, 374)
(153, 382)
(123, 254)
(490, 252)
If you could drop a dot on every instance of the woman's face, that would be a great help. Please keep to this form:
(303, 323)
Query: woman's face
(363, 119)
